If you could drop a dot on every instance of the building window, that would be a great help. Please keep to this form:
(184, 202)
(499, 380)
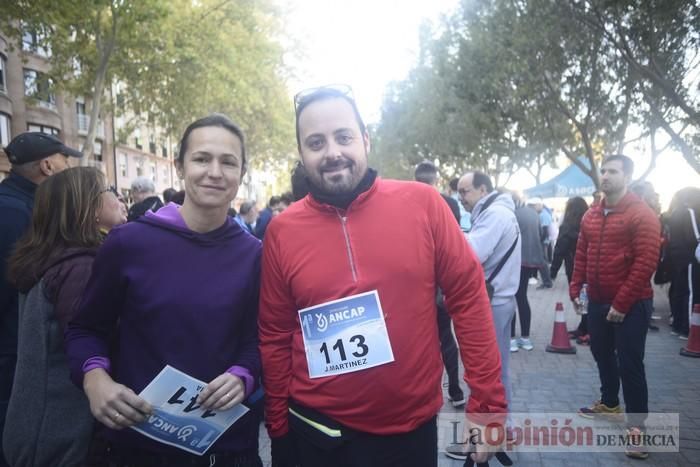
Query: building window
(83, 120)
(164, 150)
(139, 169)
(137, 139)
(34, 41)
(2, 73)
(123, 164)
(97, 150)
(5, 131)
(39, 86)
(152, 147)
(153, 173)
(49, 130)
(165, 175)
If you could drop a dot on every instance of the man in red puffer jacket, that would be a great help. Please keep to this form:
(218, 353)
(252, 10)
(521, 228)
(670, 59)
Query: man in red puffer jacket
(616, 255)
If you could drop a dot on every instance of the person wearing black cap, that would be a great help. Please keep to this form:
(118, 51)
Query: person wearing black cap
(34, 157)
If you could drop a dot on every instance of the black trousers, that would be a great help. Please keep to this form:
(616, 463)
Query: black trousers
(583, 325)
(153, 460)
(683, 294)
(524, 312)
(618, 350)
(450, 352)
(417, 448)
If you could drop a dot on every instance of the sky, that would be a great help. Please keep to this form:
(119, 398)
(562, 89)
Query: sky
(363, 43)
(369, 43)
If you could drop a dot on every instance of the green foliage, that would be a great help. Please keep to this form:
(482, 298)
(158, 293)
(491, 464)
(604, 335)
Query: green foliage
(174, 61)
(505, 84)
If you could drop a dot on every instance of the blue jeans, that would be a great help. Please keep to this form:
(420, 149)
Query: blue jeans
(618, 350)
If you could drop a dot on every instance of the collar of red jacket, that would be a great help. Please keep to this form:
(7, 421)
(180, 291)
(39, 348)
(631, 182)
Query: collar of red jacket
(628, 200)
(357, 203)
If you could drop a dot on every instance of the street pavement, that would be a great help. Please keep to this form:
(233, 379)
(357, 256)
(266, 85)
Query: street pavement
(550, 383)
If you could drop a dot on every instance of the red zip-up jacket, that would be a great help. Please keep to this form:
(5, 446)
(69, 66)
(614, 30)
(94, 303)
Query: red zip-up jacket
(400, 239)
(617, 253)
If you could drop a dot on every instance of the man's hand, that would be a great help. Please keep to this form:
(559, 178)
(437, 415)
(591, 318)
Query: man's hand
(224, 392)
(615, 316)
(578, 306)
(113, 404)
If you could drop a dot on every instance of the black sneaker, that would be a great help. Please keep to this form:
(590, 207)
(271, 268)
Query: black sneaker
(458, 402)
(457, 451)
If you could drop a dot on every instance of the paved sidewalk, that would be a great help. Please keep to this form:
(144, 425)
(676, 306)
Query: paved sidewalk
(545, 382)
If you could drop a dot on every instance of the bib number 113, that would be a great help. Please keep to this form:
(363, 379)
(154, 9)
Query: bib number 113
(358, 340)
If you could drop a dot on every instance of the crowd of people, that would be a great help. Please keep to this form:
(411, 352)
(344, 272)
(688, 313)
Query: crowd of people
(340, 301)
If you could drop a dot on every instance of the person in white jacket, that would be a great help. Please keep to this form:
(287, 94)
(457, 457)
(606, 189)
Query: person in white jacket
(495, 238)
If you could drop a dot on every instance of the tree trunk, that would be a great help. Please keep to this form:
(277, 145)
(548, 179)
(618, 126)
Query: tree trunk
(678, 141)
(105, 50)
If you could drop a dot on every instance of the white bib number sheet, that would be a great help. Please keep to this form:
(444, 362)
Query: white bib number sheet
(345, 335)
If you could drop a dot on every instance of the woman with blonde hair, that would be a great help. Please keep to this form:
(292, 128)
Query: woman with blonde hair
(48, 418)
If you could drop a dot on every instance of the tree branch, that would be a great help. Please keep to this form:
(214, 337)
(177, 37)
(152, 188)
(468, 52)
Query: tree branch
(678, 141)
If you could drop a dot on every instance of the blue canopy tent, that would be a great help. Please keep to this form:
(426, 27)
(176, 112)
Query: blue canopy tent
(570, 182)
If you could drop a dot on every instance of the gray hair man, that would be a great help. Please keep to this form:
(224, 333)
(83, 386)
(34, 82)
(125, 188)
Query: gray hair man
(143, 192)
(495, 238)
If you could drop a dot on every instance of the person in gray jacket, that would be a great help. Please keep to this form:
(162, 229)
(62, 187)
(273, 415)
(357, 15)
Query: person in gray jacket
(495, 238)
(531, 261)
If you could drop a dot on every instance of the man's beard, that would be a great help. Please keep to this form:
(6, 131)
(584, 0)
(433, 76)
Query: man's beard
(340, 183)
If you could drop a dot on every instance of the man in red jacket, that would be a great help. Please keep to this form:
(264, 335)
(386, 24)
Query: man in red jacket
(616, 254)
(347, 320)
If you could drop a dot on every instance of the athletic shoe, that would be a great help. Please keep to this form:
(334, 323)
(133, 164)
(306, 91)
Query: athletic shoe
(513, 345)
(600, 410)
(525, 343)
(574, 334)
(584, 340)
(458, 403)
(635, 444)
(544, 286)
(532, 281)
(674, 332)
(683, 337)
(457, 451)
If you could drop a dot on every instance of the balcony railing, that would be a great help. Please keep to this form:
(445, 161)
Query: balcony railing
(84, 123)
(46, 105)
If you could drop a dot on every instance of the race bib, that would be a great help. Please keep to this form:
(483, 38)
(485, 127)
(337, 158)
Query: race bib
(345, 335)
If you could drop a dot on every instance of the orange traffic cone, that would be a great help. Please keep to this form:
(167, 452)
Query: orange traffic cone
(693, 347)
(560, 338)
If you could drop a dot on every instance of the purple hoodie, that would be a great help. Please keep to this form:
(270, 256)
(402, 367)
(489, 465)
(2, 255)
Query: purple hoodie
(180, 298)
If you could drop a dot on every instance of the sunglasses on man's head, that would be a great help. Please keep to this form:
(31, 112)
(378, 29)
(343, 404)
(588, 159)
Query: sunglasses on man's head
(306, 95)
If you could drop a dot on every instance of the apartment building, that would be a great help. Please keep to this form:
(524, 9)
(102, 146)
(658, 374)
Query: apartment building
(123, 150)
(28, 102)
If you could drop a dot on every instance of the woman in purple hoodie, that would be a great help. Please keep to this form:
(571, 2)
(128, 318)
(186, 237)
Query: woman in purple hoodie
(178, 287)
(48, 418)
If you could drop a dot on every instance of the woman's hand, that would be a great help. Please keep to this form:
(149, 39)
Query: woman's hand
(113, 404)
(224, 392)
